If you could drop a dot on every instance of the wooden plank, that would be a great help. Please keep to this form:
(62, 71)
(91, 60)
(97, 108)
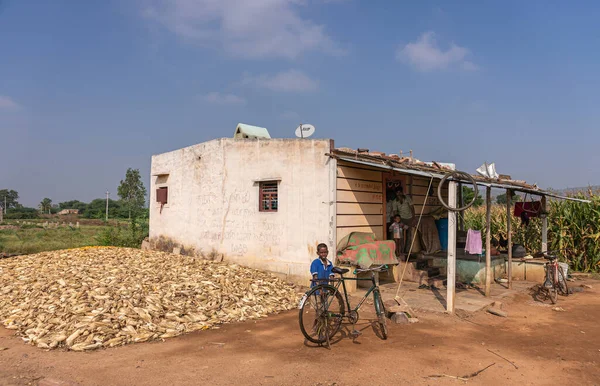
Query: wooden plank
(358, 166)
(378, 230)
(362, 197)
(431, 200)
(349, 208)
(424, 182)
(346, 220)
(360, 174)
(359, 185)
(422, 190)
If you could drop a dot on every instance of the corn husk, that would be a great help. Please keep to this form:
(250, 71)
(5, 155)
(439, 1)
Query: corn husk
(88, 298)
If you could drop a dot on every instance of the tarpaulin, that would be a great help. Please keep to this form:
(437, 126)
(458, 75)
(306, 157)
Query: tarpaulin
(363, 250)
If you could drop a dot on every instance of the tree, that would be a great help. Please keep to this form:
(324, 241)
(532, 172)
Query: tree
(11, 199)
(46, 205)
(73, 204)
(501, 199)
(468, 194)
(97, 209)
(132, 191)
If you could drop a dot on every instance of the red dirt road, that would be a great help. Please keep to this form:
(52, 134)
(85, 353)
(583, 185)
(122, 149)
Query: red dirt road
(547, 346)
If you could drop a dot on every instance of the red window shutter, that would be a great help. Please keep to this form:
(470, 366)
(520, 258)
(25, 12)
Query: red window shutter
(162, 194)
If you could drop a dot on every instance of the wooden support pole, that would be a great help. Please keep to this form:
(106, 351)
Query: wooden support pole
(509, 235)
(461, 203)
(451, 267)
(488, 241)
(544, 226)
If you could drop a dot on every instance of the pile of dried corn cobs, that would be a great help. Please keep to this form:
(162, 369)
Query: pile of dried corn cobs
(88, 298)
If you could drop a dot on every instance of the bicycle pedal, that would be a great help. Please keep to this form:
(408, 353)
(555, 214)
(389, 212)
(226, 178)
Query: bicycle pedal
(356, 333)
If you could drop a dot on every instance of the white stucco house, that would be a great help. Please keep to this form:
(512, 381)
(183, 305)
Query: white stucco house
(261, 202)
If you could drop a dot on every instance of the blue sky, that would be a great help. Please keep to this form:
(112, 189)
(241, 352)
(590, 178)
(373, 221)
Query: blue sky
(88, 89)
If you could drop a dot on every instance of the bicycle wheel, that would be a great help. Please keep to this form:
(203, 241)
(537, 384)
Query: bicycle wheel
(380, 311)
(321, 312)
(563, 288)
(553, 294)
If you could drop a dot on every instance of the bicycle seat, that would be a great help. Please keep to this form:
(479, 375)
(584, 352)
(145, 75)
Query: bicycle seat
(550, 257)
(339, 270)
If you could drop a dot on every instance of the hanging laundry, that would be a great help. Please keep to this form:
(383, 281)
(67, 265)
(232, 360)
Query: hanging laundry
(473, 244)
(532, 208)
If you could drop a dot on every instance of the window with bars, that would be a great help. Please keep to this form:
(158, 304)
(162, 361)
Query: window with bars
(268, 200)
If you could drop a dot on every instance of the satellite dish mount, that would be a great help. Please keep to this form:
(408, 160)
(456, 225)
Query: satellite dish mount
(305, 130)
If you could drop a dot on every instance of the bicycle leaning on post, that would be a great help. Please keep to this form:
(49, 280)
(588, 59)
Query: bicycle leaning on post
(322, 308)
(555, 282)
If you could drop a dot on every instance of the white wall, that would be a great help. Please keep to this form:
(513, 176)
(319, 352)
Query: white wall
(213, 201)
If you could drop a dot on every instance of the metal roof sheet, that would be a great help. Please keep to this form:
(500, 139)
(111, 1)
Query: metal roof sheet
(248, 131)
(438, 171)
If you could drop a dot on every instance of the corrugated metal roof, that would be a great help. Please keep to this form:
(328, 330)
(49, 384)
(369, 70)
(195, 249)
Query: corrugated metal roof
(248, 131)
(438, 170)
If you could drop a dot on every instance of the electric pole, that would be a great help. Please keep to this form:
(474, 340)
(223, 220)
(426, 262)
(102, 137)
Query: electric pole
(107, 205)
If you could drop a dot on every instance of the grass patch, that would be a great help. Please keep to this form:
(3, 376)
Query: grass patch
(34, 239)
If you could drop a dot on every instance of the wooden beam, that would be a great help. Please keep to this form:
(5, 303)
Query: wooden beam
(461, 203)
(488, 241)
(509, 234)
(544, 225)
(451, 268)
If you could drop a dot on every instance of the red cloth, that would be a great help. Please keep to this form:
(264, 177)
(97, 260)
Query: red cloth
(533, 208)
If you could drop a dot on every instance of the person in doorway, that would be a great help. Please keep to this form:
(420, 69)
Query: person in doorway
(407, 214)
(392, 209)
(397, 229)
(320, 268)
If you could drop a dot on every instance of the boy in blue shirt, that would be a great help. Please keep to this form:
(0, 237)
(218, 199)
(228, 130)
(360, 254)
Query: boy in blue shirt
(320, 268)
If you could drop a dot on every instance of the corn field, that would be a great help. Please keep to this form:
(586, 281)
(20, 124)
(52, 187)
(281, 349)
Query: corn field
(573, 230)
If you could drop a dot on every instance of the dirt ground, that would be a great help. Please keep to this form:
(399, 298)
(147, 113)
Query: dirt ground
(547, 347)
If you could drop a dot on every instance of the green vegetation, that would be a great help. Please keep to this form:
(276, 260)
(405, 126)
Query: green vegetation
(35, 238)
(132, 192)
(9, 197)
(130, 236)
(573, 230)
(468, 194)
(46, 205)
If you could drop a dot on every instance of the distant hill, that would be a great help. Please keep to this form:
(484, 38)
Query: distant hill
(572, 191)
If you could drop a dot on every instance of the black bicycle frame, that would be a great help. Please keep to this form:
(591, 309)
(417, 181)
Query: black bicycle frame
(342, 281)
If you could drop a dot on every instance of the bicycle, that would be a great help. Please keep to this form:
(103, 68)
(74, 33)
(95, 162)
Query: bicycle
(322, 308)
(555, 282)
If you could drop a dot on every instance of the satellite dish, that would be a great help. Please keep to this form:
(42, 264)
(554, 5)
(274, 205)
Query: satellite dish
(305, 130)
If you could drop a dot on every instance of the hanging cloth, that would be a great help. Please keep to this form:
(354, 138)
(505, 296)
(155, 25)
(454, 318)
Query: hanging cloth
(473, 244)
(532, 208)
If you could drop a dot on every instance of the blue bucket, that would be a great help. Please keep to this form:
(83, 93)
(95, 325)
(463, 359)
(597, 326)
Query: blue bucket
(442, 227)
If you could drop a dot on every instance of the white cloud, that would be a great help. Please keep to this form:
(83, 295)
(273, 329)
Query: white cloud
(8, 104)
(425, 55)
(244, 28)
(286, 81)
(223, 99)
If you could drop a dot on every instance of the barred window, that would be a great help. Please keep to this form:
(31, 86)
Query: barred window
(268, 197)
